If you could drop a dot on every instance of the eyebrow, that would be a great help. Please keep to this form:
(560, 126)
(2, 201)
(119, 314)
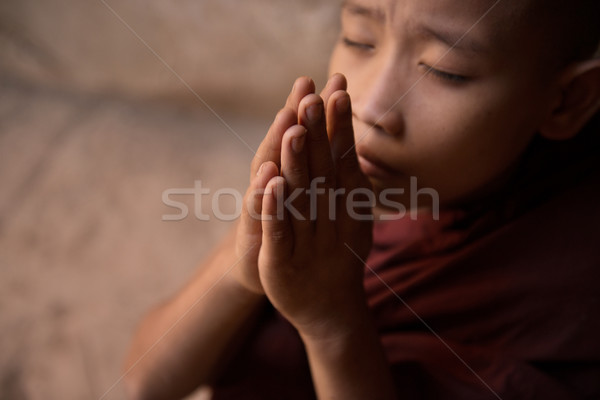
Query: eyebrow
(376, 14)
(452, 39)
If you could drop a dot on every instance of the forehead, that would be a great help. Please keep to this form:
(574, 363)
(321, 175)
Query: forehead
(459, 8)
(486, 20)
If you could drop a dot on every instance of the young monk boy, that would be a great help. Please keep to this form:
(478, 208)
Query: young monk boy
(479, 118)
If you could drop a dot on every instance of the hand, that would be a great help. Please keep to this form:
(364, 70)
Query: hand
(305, 266)
(248, 237)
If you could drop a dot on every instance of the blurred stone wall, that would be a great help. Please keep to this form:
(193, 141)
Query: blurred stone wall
(237, 54)
(84, 252)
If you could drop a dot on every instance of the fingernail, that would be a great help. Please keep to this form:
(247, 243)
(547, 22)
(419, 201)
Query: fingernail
(314, 112)
(298, 143)
(342, 104)
(262, 166)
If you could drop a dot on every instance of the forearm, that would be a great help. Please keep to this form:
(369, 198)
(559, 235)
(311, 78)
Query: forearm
(350, 365)
(182, 343)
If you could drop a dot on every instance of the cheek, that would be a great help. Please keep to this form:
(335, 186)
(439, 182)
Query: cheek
(467, 119)
(460, 141)
(439, 125)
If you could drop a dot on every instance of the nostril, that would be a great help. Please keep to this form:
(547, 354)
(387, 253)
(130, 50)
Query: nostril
(389, 122)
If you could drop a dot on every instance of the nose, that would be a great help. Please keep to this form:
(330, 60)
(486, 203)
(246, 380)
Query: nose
(377, 96)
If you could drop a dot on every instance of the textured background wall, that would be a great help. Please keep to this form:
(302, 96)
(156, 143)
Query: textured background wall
(229, 51)
(86, 151)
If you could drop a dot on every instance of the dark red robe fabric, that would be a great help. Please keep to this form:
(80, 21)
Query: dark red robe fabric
(499, 299)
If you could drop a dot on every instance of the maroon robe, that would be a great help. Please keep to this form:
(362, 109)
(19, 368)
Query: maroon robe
(500, 299)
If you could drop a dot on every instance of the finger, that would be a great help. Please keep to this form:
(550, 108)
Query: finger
(312, 117)
(336, 82)
(270, 148)
(320, 163)
(250, 229)
(349, 176)
(302, 88)
(277, 236)
(341, 133)
(294, 168)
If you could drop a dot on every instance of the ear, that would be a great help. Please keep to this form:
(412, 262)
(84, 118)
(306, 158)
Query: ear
(580, 100)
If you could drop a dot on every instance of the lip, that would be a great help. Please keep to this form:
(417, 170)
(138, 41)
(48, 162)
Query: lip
(374, 168)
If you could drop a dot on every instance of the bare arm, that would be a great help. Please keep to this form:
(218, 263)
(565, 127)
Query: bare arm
(182, 343)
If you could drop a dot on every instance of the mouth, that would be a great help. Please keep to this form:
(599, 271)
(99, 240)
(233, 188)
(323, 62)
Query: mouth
(375, 168)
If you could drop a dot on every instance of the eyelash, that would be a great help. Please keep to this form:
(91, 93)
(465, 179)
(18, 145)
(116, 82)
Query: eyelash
(357, 45)
(446, 76)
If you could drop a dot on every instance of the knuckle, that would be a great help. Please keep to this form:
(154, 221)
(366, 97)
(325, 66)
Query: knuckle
(319, 139)
(254, 165)
(251, 205)
(296, 171)
(279, 235)
(285, 116)
(280, 115)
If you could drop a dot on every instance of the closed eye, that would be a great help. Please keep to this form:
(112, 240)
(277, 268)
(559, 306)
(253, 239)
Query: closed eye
(357, 45)
(446, 76)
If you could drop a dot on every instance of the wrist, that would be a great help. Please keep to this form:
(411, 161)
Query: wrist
(344, 326)
(241, 291)
(350, 364)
